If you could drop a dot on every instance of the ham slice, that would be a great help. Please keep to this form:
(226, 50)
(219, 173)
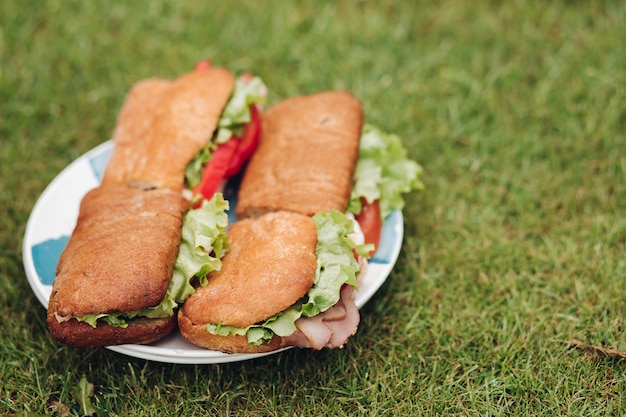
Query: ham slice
(331, 328)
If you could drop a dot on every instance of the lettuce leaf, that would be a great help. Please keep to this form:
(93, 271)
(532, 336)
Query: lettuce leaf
(336, 266)
(203, 243)
(237, 111)
(335, 261)
(235, 115)
(282, 324)
(383, 172)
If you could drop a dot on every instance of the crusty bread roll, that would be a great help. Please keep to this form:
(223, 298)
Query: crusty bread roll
(119, 258)
(134, 122)
(270, 265)
(164, 124)
(122, 252)
(306, 157)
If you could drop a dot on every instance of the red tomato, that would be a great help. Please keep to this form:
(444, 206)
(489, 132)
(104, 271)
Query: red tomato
(228, 159)
(215, 171)
(371, 222)
(247, 143)
(202, 65)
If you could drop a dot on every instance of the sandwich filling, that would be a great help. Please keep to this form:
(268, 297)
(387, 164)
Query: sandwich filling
(248, 91)
(383, 172)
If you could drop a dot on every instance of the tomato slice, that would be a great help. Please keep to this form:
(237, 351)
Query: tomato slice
(215, 170)
(228, 159)
(202, 65)
(371, 222)
(248, 142)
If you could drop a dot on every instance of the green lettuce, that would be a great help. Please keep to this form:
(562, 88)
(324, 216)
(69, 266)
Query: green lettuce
(336, 266)
(232, 120)
(335, 261)
(237, 111)
(203, 243)
(383, 172)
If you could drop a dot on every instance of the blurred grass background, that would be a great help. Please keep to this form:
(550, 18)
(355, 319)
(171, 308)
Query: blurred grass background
(516, 110)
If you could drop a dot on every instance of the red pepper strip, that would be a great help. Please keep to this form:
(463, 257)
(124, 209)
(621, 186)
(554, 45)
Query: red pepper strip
(371, 222)
(203, 65)
(214, 172)
(247, 144)
(228, 159)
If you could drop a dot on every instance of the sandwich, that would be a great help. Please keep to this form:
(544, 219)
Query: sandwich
(296, 251)
(123, 272)
(287, 280)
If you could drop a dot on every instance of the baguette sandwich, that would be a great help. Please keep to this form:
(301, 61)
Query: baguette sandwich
(123, 272)
(287, 280)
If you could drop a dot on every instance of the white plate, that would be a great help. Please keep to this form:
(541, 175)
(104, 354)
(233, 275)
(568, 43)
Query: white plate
(54, 216)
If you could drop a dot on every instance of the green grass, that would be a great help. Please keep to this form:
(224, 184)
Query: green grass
(516, 110)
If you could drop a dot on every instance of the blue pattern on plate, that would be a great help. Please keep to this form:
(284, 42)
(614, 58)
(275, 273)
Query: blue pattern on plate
(45, 257)
(46, 254)
(98, 163)
(384, 253)
(230, 195)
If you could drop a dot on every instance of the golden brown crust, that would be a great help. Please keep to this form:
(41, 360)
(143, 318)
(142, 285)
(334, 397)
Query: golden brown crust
(270, 265)
(133, 124)
(177, 120)
(185, 122)
(139, 331)
(121, 254)
(306, 157)
(198, 335)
